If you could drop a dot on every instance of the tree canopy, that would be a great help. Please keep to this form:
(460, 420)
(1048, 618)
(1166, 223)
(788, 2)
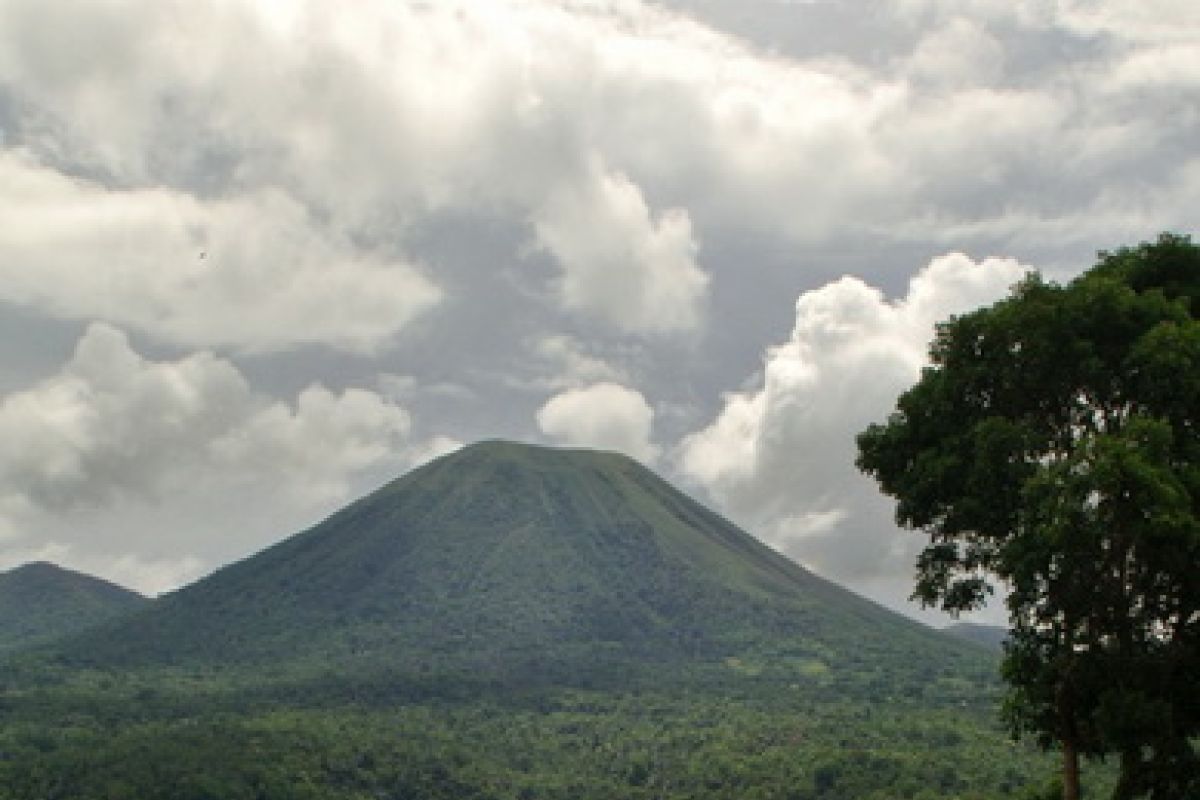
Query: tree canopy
(1053, 444)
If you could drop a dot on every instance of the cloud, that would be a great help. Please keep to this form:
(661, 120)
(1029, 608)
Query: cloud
(572, 364)
(188, 444)
(958, 54)
(605, 416)
(254, 272)
(621, 134)
(636, 272)
(404, 388)
(113, 425)
(347, 126)
(780, 456)
(436, 447)
(1154, 21)
(1172, 68)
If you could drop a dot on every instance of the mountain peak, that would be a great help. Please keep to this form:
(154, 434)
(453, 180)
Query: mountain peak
(51, 575)
(37, 568)
(535, 454)
(40, 601)
(512, 560)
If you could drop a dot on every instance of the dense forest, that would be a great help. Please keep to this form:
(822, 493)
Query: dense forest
(188, 736)
(512, 622)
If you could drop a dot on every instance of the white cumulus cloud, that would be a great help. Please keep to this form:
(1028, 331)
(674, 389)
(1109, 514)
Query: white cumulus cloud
(113, 424)
(116, 433)
(620, 263)
(780, 456)
(621, 134)
(254, 272)
(571, 363)
(605, 416)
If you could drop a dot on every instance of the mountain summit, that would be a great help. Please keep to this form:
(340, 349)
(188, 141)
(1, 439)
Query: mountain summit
(41, 601)
(507, 560)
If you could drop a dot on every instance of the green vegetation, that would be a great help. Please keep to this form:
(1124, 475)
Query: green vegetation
(1055, 444)
(990, 636)
(40, 602)
(184, 735)
(527, 565)
(511, 622)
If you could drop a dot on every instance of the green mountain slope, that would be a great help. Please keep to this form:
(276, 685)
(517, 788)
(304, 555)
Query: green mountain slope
(990, 636)
(511, 622)
(512, 562)
(40, 602)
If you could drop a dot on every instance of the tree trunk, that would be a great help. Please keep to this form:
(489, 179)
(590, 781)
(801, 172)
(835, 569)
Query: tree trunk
(1068, 731)
(1126, 783)
(1070, 770)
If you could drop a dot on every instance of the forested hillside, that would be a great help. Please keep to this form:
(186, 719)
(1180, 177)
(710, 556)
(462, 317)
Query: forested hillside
(40, 602)
(511, 622)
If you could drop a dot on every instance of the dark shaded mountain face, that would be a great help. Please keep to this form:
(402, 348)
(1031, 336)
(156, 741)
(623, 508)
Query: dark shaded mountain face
(517, 562)
(40, 602)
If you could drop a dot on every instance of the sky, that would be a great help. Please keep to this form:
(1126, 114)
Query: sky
(259, 257)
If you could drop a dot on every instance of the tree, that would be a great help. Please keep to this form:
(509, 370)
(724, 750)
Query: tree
(1053, 445)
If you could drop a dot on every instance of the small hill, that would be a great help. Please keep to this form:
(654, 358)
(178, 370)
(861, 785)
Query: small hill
(512, 562)
(990, 636)
(40, 602)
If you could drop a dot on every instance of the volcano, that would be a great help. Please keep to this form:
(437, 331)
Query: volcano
(513, 561)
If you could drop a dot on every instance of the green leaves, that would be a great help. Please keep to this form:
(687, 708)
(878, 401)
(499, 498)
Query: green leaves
(1054, 444)
(557, 745)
